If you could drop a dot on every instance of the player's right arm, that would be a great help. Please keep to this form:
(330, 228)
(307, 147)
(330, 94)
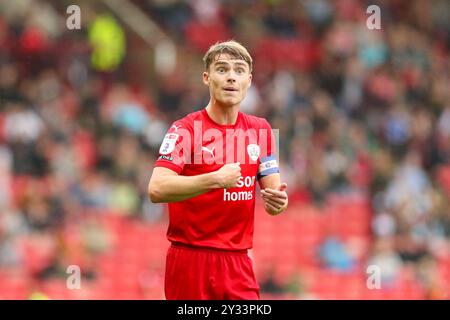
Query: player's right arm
(167, 186)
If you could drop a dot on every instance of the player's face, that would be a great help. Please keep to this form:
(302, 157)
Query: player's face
(228, 79)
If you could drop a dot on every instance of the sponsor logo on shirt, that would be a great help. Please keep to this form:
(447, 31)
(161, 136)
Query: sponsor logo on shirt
(168, 158)
(247, 182)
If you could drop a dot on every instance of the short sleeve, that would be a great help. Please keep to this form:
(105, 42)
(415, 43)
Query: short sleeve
(268, 163)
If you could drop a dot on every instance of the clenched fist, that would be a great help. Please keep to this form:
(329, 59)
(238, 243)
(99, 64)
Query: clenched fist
(229, 175)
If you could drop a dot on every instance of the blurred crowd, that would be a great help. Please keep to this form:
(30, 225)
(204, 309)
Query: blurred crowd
(360, 112)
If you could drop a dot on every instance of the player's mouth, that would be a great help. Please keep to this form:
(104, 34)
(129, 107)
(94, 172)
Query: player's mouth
(230, 89)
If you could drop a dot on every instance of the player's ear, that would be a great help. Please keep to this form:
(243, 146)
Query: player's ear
(250, 77)
(205, 76)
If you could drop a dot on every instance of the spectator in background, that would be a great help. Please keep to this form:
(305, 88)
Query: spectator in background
(335, 255)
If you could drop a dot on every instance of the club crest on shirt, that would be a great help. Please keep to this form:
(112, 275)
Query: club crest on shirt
(168, 144)
(253, 151)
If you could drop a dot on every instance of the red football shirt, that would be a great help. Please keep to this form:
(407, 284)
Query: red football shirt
(195, 144)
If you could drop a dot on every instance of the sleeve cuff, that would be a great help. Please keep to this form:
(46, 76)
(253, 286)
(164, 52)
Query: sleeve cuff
(169, 165)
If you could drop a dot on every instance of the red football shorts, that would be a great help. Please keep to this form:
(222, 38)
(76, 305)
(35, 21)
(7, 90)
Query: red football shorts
(194, 273)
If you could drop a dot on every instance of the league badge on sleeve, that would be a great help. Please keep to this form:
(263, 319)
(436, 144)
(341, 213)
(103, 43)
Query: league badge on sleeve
(168, 144)
(253, 151)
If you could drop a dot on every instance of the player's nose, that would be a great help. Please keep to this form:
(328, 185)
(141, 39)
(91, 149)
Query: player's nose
(231, 78)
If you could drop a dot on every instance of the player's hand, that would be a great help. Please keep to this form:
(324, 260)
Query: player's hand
(229, 175)
(275, 200)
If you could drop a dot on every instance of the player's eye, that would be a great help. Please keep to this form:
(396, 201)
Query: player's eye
(221, 70)
(240, 71)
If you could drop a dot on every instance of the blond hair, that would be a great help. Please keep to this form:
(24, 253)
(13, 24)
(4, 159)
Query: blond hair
(231, 47)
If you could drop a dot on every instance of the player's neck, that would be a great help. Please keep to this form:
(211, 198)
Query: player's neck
(222, 115)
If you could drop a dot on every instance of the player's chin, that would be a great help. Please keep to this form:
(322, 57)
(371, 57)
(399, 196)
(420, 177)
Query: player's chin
(231, 102)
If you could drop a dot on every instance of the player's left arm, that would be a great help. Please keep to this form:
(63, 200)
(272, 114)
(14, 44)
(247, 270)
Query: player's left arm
(273, 193)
